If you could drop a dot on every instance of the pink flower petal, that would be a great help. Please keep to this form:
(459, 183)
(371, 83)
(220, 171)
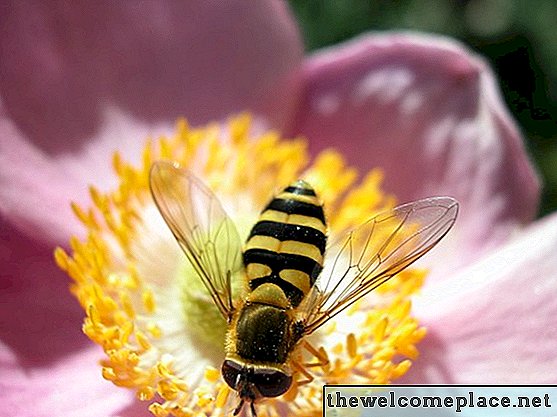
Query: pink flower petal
(48, 366)
(40, 321)
(34, 191)
(61, 63)
(428, 113)
(81, 80)
(71, 388)
(496, 321)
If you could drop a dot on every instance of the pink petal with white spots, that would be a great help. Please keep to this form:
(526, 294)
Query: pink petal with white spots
(34, 191)
(427, 112)
(80, 80)
(495, 322)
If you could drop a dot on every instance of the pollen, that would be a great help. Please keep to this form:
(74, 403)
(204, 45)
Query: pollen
(161, 334)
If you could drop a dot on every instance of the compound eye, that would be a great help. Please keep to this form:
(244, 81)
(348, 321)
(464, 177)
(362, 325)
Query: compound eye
(230, 371)
(271, 383)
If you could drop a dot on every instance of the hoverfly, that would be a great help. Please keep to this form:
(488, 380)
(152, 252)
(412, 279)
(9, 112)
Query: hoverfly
(285, 296)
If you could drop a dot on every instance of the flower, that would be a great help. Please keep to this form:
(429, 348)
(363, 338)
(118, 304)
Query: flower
(161, 334)
(422, 108)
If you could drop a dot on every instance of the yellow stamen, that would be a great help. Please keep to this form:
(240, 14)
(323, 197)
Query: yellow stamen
(150, 315)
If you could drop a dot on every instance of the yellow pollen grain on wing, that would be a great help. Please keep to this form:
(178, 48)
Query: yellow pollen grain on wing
(129, 314)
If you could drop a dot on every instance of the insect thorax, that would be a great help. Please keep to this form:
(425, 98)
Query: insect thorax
(263, 334)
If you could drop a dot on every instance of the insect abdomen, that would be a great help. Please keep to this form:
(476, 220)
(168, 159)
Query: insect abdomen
(287, 244)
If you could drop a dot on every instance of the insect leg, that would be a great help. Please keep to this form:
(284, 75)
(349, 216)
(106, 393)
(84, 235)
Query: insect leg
(239, 408)
(301, 368)
(320, 354)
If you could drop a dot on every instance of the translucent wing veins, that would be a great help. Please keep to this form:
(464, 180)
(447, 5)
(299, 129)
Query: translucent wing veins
(371, 254)
(202, 228)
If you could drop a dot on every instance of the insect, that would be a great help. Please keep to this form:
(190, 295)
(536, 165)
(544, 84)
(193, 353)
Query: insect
(288, 291)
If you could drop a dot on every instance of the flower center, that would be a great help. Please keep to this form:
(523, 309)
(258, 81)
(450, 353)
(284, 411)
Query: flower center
(162, 334)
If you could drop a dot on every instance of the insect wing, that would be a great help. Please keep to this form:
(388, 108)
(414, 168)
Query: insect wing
(374, 252)
(199, 223)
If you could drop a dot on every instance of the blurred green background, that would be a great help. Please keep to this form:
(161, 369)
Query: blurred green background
(518, 37)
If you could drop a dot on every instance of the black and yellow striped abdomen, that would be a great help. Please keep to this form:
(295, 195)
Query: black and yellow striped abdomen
(286, 246)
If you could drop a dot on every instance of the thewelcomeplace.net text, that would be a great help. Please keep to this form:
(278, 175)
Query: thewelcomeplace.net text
(392, 399)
